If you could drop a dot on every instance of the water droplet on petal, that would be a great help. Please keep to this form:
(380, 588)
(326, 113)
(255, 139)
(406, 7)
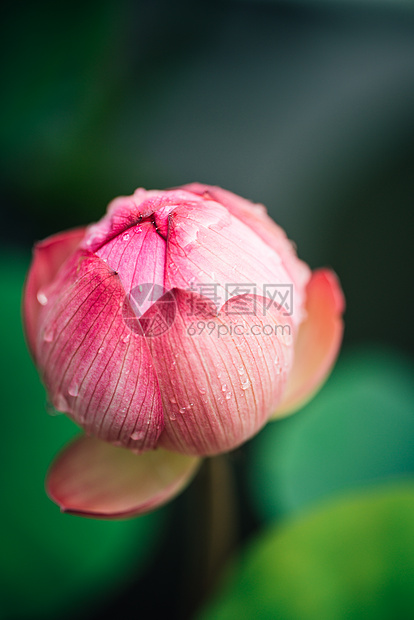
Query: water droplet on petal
(245, 384)
(223, 387)
(182, 409)
(201, 389)
(61, 404)
(228, 395)
(240, 370)
(73, 389)
(173, 401)
(100, 350)
(126, 338)
(41, 298)
(137, 435)
(125, 236)
(173, 416)
(49, 333)
(51, 410)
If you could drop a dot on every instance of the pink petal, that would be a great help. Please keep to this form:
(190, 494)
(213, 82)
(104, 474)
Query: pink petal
(49, 256)
(93, 478)
(255, 217)
(220, 376)
(318, 341)
(138, 256)
(125, 212)
(212, 252)
(95, 367)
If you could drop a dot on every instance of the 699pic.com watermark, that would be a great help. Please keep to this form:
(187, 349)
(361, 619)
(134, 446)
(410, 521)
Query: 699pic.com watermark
(211, 308)
(221, 330)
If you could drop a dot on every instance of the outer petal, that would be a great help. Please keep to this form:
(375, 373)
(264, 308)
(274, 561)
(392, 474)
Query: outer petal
(49, 256)
(93, 478)
(214, 253)
(95, 368)
(256, 218)
(220, 376)
(318, 341)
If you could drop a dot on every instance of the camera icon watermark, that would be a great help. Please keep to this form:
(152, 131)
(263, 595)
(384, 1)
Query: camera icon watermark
(153, 308)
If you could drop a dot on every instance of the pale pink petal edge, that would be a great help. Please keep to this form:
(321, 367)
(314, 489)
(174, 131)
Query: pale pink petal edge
(48, 256)
(92, 478)
(318, 341)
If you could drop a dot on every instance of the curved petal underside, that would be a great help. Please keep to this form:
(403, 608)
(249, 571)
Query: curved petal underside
(93, 478)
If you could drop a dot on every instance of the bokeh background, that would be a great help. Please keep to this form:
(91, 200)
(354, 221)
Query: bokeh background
(308, 107)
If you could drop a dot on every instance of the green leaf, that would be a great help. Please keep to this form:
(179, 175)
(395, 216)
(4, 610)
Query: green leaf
(49, 561)
(352, 559)
(358, 430)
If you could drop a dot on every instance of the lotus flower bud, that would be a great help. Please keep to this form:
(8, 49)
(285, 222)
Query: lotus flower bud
(173, 328)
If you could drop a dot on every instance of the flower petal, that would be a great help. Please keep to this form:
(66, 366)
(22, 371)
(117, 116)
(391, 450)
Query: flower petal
(49, 256)
(95, 367)
(211, 251)
(318, 341)
(93, 478)
(255, 217)
(220, 376)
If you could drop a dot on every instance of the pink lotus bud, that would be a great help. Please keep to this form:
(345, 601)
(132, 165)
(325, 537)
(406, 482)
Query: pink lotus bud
(174, 328)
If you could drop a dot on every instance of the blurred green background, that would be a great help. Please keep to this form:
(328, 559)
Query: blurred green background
(306, 106)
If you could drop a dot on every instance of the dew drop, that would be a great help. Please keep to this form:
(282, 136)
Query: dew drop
(240, 370)
(41, 298)
(228, 395)
(173, 401)
(49, 333)
(126, 338)
(173, 416)
(276, 360)
(137, 229)
(100, 350)
(245, 384)
(51, 410)
(125, 236)
(201, 389)
(137, 435)
(223, 387)
(182, 409)
(73, 389)
(61, 404)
